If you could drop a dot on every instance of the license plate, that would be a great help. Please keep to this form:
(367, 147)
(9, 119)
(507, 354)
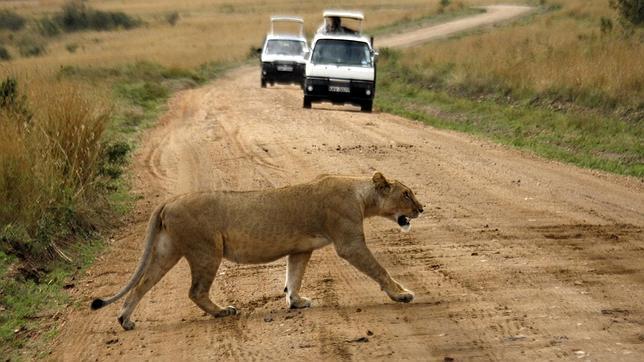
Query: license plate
(339, 89)
(285, 68)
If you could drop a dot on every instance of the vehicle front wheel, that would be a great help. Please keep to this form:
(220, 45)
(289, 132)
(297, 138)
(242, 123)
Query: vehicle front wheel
(263, 83)
(307, 102)
(366, 106)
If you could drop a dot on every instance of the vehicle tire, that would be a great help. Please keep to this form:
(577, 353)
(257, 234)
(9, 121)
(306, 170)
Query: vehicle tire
(263, 83)
(307, 102)
(366, 106)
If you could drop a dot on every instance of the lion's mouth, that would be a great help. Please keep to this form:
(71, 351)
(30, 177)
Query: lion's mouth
(403, 221)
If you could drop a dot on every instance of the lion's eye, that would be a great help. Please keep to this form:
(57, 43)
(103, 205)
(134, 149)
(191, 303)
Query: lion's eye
(407, 196)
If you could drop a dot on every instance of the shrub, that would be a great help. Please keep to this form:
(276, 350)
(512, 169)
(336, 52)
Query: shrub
(630, 11)
(29, 46)
(47, 27)
(12, 102)
(77, 16)
(144, 94)
(11, 21)
(605, 25)
(4, 53)
(172, 18)
(71, 47)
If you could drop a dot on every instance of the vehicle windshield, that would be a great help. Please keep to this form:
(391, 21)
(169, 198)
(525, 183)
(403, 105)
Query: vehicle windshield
(341, 52)
(284, 47)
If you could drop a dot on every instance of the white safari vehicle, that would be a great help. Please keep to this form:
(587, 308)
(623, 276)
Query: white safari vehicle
(341, 67)
(283, 54)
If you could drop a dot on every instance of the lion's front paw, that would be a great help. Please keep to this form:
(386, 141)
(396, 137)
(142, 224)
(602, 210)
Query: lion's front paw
(298, 303)
(404, 297)
(127, 324)
(228, 311)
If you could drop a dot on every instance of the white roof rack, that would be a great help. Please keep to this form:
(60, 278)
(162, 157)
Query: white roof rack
(287, 19)
(343, 14)
(357, 15)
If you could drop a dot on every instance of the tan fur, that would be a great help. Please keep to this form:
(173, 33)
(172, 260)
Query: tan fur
(262, 226)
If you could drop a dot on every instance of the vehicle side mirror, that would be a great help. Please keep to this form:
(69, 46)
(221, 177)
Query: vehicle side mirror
(375, 55)
(307, 54)
(258, 51)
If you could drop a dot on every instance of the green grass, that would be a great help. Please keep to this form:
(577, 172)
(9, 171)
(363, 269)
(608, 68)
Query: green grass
(585, 138)
(28, 303)
(29, 311)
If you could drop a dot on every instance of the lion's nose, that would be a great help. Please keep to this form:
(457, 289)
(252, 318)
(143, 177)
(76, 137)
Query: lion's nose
(420, 209)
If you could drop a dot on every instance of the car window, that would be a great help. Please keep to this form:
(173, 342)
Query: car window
(345, 52)
(284, 47)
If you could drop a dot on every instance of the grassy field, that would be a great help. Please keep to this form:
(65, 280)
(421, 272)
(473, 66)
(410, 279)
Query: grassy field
(588, 139)
(555, 84)
(560, 54)
(205, 31)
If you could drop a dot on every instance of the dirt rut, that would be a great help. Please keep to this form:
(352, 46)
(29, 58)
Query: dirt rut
(493, 14)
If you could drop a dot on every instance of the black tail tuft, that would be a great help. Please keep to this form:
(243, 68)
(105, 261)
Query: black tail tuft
(97, 304)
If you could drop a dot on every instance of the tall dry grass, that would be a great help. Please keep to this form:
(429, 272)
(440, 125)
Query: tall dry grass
(49, 169)
(561, 54)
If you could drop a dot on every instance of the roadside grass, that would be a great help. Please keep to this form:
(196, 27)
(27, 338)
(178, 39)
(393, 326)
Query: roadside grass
(31, 310)
(560, 55)
(585, 138)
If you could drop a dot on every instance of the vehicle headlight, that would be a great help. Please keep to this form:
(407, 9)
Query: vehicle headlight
(310, 88)
(368, 92)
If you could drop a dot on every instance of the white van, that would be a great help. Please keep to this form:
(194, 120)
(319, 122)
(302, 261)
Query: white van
(341, 67)
(283, 55)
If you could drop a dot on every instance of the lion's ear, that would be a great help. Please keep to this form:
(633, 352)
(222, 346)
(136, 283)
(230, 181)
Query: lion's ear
(380, 182)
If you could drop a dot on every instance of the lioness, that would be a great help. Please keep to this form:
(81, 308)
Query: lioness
(262, 226)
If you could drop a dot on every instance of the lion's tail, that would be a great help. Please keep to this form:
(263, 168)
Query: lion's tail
(154, 226)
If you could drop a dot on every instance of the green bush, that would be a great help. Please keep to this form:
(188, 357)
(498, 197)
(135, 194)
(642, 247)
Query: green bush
(9, 20)
(172, 18)
(29, 46)
(47, 27)
(630, 11)
(77, 16)
(71, 47)
(605, 25)
(4, 53)
(144, 94)
(12, 102)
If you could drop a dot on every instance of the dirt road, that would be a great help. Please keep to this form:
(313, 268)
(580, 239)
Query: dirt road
(493, 14)
(516, 258)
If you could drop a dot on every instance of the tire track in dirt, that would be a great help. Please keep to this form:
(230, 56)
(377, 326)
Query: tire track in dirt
(493, 14)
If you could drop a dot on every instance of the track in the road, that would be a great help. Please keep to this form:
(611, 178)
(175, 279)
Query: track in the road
(493, 14)
(518, 258)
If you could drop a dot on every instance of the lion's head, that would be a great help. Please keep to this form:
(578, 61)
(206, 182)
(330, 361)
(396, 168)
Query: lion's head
(396, 201)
